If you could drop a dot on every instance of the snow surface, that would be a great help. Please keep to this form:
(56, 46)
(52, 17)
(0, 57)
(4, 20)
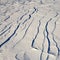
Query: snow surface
(29, 30)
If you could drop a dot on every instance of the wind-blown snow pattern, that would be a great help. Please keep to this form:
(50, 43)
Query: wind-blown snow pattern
(29, 30)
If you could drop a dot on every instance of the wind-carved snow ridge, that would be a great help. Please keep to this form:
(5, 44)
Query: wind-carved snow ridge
(47, 57)
(10, 36)
(7, 18)
(56, 42)
(5, 30)
(42, 46)
(48, 37)
(29, 30)
(35, 36)
(54, 38)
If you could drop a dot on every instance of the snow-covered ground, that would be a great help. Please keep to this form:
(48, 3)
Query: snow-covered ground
(29, 30)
